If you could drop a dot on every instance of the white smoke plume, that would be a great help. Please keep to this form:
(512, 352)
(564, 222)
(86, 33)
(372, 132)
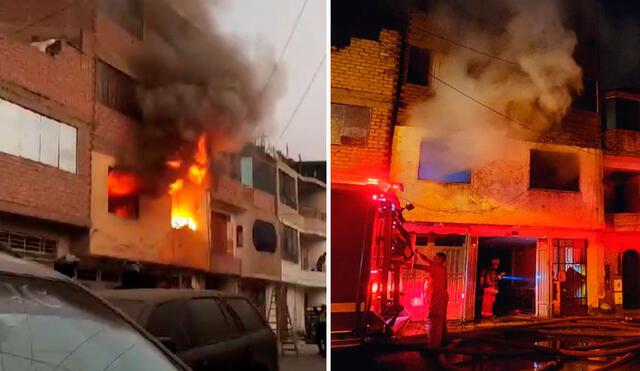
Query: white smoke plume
(530, 80)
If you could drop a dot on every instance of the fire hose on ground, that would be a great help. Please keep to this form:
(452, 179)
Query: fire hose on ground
(624, 349)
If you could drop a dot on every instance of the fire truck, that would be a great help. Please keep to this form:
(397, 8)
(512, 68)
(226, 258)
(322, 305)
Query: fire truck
(369, 248)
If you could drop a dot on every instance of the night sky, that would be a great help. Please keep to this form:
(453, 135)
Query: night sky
(619, 29)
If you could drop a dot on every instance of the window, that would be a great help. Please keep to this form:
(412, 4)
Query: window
(554, 171)
(349, 124)
(588, 100)
(422, 240)
(211, 323)
(621, 113)
(239, 236)
(219, 227)
(290, 244)
(117, 90)
(264, 175)
(132, 308)
(622, 192)
(434, 164)
(123, 197)
(450, 240)
(30, 135)
(288, 190)
(264, 236)
(169, 320)
(129, 14)
(247, 313)
(48, 324)
(419, 64)
(29, 246)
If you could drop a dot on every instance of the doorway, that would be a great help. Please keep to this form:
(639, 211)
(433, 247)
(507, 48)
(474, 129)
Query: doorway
(517, 290)
(569, 272)
(630, 280)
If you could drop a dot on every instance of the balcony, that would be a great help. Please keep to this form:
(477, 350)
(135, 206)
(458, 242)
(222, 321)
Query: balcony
(620, 141)
(314, 221)
(292, 272)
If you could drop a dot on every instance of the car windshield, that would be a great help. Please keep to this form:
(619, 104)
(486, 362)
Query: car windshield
(49, 325)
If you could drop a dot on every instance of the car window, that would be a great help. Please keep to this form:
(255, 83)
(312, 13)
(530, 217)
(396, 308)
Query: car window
(212, 324)
(248, 314)
(170, 320)
(50, 325)
(132, 308)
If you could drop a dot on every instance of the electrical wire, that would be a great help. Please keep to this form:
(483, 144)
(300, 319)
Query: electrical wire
(286, 45)
(44, 18)
(304, 95)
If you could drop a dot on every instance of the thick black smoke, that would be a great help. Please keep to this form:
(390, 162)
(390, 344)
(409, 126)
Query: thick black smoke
(193, 80)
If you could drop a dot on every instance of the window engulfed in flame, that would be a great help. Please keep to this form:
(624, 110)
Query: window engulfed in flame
(186, 193)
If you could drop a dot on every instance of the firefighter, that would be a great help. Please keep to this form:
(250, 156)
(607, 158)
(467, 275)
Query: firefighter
(131, 276)
(489, 279)
(438, 298)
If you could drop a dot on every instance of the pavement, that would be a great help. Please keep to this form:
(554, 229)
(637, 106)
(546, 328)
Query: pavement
(307, 360)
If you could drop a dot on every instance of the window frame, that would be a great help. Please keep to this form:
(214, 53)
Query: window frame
(579, 176)
(339, 140)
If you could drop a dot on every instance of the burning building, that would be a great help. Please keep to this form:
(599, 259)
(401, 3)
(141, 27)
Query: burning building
(139, 116)
(493, 122)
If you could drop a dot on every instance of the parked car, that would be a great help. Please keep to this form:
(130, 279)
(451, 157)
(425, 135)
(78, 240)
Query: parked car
(48, 322)
(209, 330)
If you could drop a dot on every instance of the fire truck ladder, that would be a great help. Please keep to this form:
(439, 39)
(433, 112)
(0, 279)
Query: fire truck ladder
(280, 320)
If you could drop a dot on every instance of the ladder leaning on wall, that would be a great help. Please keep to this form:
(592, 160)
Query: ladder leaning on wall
(280, 321)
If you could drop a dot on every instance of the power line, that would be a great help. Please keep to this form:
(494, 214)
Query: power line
(286, 45)
(433, 34)
(44, 18)
(304, 95)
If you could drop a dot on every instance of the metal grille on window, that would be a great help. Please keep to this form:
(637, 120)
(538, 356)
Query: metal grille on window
(570, 275)
(30, 247)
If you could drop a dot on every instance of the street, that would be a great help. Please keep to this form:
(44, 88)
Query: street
(308, 360)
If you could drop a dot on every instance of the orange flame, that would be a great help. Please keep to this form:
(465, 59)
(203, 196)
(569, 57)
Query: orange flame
(186, 193)
(120, 183)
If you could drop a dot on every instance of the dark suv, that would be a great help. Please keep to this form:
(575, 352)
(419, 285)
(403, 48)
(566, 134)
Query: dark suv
(208, 330)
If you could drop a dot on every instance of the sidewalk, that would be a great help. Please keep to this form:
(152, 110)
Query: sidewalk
(308, 360)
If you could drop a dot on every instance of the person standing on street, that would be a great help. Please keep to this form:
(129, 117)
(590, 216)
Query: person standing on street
(438, 298)
(321, 331)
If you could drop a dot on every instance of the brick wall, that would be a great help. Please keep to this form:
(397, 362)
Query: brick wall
(59, 87)
(365, 74)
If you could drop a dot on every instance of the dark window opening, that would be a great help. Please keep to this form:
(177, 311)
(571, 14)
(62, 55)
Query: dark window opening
(450, 240)
(264, 176)
(422, 241)
(349, 124)
(264, 236)
(117, 90)
(123, 196)
(622, 192)
(621, 113)
(419, 65)
(239, 236)
(290, 244)
(435, 164)
(588, 100)
(554, 171)
(288, 190)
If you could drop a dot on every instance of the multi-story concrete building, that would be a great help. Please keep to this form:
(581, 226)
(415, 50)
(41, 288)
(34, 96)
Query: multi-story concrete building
(563, 238)
(68, 110)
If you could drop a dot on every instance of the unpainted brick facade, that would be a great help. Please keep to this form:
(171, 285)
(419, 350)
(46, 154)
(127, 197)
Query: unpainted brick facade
(365, 74)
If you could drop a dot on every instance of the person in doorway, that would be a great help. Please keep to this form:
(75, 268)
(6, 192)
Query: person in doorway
(320, 262)
(489, 279)
(437, 297)
(321, 331)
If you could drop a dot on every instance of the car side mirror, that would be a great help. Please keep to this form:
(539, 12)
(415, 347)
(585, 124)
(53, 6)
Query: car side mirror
(168, 343)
